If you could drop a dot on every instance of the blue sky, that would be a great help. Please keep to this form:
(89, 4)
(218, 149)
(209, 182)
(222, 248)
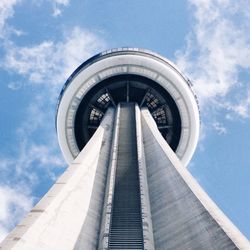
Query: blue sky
(43, 41)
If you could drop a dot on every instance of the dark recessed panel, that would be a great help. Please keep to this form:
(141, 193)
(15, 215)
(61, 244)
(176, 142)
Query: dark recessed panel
(128, 88)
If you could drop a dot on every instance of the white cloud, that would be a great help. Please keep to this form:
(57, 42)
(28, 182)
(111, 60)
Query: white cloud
(14, 85)
(6, 11)
(15, 202)
(219, 128)
(57, 12)
(240, 108)
(31, 156)
(52, 62)
(57, 6)
(62, 2)
(217, 51)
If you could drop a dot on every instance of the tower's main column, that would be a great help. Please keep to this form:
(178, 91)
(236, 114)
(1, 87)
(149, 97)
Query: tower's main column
(128, 124)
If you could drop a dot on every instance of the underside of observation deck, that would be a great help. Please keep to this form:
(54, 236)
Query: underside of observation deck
(128, 88)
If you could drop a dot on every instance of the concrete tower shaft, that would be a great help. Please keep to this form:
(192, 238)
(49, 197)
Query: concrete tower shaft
(126, 189)
(127, 124)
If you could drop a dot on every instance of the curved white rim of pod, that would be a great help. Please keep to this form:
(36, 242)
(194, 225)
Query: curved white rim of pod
(128, 61)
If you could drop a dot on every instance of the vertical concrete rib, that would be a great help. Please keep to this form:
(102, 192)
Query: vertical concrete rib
(110, 184)
(148, 238)
(183, 216)
(69, 215)
(90, 231)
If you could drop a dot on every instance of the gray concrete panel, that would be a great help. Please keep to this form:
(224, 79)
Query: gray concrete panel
(182, 215)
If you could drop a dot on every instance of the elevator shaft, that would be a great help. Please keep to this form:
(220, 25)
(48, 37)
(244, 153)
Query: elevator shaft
(126, 221)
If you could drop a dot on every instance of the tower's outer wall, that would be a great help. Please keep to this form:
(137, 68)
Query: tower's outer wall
(128, 61)
(68, 217)
(183, 216)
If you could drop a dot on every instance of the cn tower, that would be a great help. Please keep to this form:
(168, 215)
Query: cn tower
(128, 124)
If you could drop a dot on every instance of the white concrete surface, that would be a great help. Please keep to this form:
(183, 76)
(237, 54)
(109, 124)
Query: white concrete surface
(110, 185)
(68, 216)
(148, 236)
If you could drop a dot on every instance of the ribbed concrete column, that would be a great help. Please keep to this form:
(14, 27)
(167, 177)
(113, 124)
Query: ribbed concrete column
(126, 222)
(183, 216)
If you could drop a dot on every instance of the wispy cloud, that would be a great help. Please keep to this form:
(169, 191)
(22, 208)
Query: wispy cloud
(14, 204)
(219, 128)
(240, 107)
(217, 52)
(57, 6)
(52, 62)
(14, 85)
(6, 12)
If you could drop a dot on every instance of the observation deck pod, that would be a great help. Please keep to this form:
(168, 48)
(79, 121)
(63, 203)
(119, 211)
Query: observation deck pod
(128, 75)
